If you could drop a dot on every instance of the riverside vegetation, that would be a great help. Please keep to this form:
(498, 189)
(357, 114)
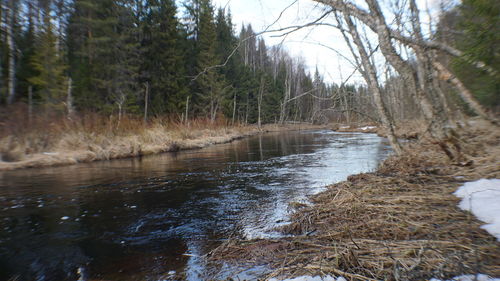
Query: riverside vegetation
(48, 141)
(90, 79)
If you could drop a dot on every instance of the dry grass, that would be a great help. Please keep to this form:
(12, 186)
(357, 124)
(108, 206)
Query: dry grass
(399, 223)
(50, 140)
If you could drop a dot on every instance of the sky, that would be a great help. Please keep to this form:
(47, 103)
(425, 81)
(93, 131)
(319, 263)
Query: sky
(263, 13)
(309, 43)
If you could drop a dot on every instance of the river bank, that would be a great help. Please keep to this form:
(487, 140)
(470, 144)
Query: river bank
(400, 222)
(81, 143)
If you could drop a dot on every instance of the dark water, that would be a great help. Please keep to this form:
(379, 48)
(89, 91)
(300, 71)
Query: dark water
(146, 218)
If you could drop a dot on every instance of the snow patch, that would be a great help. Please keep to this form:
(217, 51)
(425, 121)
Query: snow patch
(311, 278)
(482, 198)
(367, 128)
(479, 277)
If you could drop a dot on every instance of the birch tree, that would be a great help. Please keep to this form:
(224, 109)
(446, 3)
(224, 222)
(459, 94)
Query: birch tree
(369, 72)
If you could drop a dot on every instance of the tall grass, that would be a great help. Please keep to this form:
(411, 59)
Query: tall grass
(95, 136)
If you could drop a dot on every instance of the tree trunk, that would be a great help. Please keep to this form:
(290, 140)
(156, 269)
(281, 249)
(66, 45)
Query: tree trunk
(465, 94)
(11, 78)
(288, 90)
(259, 101)
(187, 110)
(146, 101)
(404, 69)
(367, 18)
(30, 103)
(69, 99)
(247, 109)
(234, 108)
(370, 76)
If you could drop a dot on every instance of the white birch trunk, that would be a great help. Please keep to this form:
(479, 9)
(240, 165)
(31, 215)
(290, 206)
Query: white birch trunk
(465, 94)
(370, 75)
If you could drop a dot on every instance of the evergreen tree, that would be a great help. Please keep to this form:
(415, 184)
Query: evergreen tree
(27, 49)
(83, 35)
(50, 81)
(116, 49)
(479, 21)
(104, 54)
(209, 83)
(164, 58)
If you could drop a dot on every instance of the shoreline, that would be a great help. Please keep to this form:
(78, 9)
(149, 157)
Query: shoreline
(128, 148)
(401, 222)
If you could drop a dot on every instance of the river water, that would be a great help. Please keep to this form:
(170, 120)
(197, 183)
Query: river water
(153, 217)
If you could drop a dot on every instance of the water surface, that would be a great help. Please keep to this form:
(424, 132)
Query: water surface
(148, 218)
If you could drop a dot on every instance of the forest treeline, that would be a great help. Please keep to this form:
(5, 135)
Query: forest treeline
(146, 58)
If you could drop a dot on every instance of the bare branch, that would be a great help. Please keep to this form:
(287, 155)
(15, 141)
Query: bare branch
(370, 21)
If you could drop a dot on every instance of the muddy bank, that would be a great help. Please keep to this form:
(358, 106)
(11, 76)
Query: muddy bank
(398, 223)
(80, 147)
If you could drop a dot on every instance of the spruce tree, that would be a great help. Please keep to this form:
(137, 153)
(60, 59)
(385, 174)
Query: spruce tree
(479, 37)
(83, 35)
(50, 81)
(209, 83)
(105, 55)
(27, 45)
(164, 58)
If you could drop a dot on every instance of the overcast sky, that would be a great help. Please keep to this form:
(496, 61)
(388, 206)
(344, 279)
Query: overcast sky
(262, 13)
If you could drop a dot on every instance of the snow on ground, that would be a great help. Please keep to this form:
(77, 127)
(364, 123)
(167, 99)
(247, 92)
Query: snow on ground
(482, 198)
(479, 277)
(367, 128)
(315, 278)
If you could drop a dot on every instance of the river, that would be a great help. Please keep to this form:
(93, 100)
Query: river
(152, 217)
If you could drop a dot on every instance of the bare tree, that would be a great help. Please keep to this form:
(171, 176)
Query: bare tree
(370, 74)
(374, 19)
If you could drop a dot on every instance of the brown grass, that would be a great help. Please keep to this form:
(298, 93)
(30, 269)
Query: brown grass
(50, 139)
(399, 223)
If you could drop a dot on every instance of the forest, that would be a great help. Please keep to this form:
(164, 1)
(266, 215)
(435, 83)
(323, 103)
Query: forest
(145, 58)
(162, 59)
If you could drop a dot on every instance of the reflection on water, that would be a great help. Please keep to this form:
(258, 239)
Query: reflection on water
(143, 218)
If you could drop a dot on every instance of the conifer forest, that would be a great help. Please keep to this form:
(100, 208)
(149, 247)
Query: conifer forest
(146, 58)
